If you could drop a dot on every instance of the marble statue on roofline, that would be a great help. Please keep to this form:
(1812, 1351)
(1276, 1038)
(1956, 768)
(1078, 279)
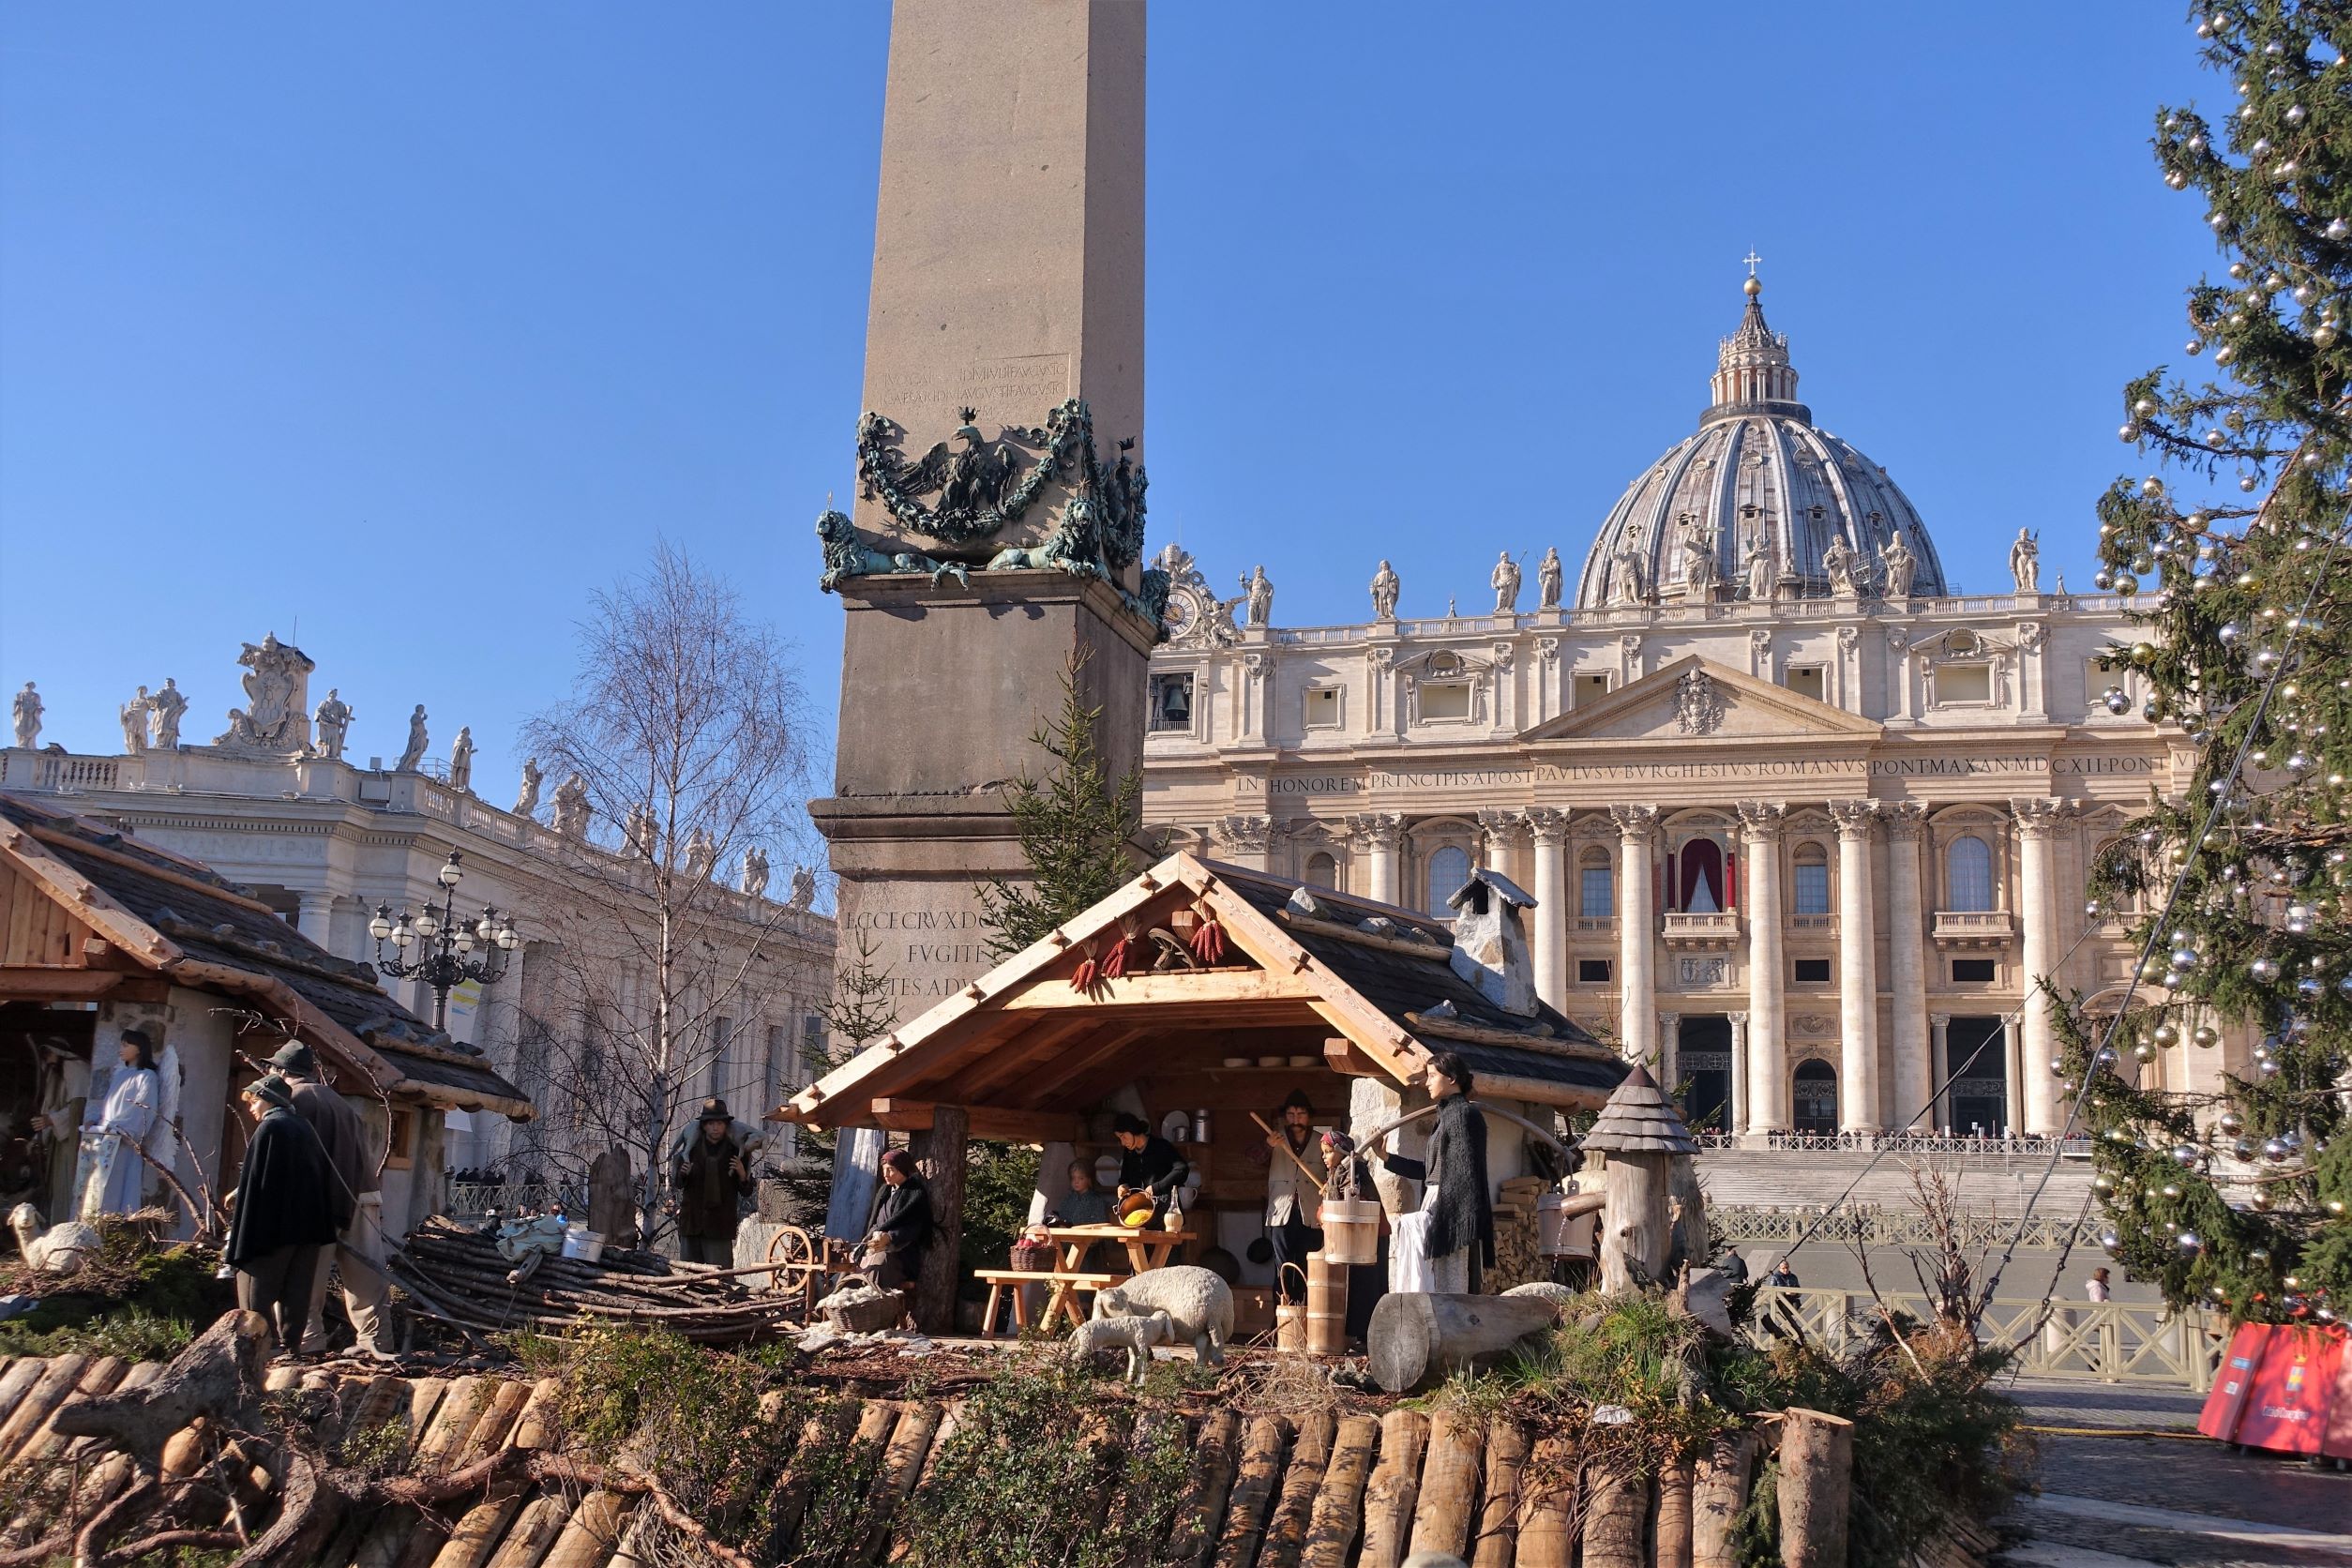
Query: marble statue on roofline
(163, 716)
(2024, 562)
(334, 721)
(1548, 575)
(25, 709)
(277, 684)
(804, 887)
(1258, 592)
(134, 714)
(461, 759)
(1505, 582)
(571, 807)
(1386, 585)
(755, 871)
(413, 754)
(1901, 565)
(527, 798)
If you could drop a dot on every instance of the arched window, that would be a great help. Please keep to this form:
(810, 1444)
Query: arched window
(1968, 874)
(1701, 888)
(1596, 893)
(1322, 871)
(1813, 880)
(1449, 868)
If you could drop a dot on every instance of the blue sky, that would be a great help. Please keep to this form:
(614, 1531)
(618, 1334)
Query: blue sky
(399, 330)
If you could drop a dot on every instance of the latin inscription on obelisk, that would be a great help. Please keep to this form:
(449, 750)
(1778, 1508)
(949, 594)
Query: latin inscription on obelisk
(1008, 278)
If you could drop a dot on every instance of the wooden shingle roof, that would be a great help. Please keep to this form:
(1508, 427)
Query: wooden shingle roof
(1640, 1120)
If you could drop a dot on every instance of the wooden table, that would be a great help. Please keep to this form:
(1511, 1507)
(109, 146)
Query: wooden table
(1146, 1248)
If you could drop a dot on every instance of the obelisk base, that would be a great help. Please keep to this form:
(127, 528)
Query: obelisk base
(942, 689)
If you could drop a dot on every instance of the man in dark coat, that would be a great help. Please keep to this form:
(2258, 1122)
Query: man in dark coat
(285, 1217)
(358, 1198)
(1150, 1163)
(900, 1230)
(1458, 1202)
(712, 1181)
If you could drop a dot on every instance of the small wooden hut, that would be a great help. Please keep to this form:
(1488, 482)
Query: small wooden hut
(1201, 992)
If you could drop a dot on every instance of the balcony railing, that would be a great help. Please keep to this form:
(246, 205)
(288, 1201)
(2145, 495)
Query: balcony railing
(1973, 928)
(2107, 1342)
(1718, 930)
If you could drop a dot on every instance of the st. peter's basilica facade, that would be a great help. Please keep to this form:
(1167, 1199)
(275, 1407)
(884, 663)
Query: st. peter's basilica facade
(1802, 826)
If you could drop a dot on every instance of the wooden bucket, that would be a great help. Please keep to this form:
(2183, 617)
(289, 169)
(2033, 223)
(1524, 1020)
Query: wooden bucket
(1289, 1317)
(1326, 1305)
(1351, 1229)
(1558, 1235)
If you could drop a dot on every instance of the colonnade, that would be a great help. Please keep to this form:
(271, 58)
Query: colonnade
(1761, 1060)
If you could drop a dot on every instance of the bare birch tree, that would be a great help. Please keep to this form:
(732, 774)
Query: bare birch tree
(686, 731)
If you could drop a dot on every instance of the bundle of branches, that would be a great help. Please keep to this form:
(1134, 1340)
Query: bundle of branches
(457, 1276)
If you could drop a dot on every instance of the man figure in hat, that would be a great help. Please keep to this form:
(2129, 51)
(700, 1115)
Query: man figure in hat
(1294, 1195)
(357, 1198)
(713, 1178)
(282, 1218)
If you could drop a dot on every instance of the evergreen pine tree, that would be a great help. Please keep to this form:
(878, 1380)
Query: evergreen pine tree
(1077, 829)
(2236, 1198)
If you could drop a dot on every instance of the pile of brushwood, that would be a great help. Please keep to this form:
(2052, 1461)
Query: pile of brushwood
(136, 1296)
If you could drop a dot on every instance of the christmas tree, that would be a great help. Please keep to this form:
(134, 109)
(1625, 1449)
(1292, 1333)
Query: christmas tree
(2231, 552)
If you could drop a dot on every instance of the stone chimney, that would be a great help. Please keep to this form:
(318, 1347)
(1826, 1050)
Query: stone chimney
(1490, 948)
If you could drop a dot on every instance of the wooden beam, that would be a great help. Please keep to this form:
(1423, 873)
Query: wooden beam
(1344, 1056)
(1076, 1064)
(981, 1079)
(1216, 987)
(39, 983)
(994, 1123)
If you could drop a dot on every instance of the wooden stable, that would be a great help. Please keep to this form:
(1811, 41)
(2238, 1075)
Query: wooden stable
(1205, 991)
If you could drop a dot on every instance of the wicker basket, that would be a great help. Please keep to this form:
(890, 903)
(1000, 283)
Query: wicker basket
(1034, 1256)
(870, 1317)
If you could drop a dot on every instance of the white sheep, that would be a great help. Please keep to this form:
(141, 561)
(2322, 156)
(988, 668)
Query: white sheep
(59, 1251)
(1200, 1304)
(1136, 1336)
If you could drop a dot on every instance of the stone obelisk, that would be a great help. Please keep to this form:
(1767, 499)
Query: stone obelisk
(1008, 278)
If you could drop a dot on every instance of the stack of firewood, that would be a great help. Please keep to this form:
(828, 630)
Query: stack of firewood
(457, 1276)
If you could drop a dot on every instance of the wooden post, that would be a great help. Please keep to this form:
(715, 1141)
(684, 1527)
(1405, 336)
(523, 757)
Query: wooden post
(1671, 1527)
(1194, 1533)
(1417, 1339)
(612, 1198)
(1340, 1501)
(1302, 1480)
(1546, 1532)
(1816, 1472)
(1635, 1229)
(1449, 1487)
(1615, 1515)
(1687, 1204)
(940, 1155)
(1717, 1498)
(1388, 1503)
(1252, 1489)
(1498, 1517)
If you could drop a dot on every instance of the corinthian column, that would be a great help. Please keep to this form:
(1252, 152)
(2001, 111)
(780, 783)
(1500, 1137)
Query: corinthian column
(1768, 1049)
(1737, 1121)
(1378, 833)
(1856, 970)
(1550, 829)
(2037, 825)
(1636, 943)
(1915, 1070)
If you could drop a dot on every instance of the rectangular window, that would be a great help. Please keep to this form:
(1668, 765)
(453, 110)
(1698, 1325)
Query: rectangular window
(1813, 888)
(722, 1071)
(1964, 682)
(2097, 680)
(1975, 971)
(1590, 688)
(1322, 708)
(1813, 972)
(779, 1074)
(1445, 699)
(1592, 971)
(1598, 899)
(813, 1054)
(1807, 680)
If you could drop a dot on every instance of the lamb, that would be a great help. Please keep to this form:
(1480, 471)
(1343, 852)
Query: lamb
(59, 1251)
(1136, 1335)
(1199, 1302)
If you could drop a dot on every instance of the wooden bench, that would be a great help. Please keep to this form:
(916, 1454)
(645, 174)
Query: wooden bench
(1060, 1302)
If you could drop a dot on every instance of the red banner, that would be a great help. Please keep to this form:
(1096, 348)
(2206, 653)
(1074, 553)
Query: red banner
(2284, 1388)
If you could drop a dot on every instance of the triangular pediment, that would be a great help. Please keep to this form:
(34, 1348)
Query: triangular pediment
(1694, 700)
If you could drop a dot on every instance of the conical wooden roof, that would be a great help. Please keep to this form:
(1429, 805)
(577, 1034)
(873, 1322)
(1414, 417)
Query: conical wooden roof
(1639, 1120)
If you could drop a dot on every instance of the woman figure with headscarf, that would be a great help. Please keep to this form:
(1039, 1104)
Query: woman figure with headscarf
(284, 1216)
(113, 1133)
(900, 1228)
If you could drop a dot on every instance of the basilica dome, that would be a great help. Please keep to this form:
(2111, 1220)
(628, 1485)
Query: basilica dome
(1760, 504)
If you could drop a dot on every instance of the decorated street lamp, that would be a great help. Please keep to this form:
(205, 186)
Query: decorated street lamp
(445, 942)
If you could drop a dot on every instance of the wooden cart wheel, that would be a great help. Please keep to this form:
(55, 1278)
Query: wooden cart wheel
(799, 1264)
